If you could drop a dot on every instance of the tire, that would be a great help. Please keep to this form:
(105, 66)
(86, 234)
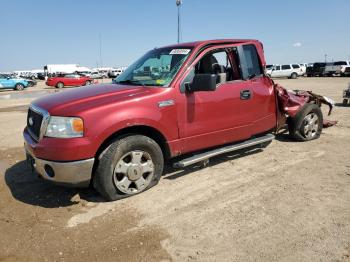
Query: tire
(307, 124)
(308, 75)
(293, 75)
(19, 87)
(128, 166)
(59, 85)
(345, 102)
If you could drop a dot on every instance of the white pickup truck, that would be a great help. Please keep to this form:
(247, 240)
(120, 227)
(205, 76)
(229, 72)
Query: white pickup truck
(337, 68)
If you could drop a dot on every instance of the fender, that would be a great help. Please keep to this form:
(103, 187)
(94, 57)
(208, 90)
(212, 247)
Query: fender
(161, 119)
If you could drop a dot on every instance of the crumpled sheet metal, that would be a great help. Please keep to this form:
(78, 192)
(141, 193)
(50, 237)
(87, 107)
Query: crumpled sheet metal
(290, 102)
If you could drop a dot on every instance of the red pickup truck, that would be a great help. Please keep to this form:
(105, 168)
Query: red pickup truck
(187, 102)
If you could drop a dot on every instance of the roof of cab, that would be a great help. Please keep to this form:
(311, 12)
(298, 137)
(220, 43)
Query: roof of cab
(213, 42)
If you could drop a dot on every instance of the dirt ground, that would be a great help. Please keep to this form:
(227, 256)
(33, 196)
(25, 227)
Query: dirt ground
(289, 202)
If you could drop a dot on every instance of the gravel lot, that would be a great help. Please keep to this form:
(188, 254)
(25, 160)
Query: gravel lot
(290, 202)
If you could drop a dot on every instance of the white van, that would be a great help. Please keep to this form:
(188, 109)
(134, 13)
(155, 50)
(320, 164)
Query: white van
(290, 71)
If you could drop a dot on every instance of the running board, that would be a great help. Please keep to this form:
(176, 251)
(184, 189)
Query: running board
(222, 150)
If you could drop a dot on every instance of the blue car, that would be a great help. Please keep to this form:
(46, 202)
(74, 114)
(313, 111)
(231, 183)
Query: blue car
(6, 82)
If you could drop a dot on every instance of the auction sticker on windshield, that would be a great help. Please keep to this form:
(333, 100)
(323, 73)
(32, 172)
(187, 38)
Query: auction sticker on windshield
(180, 51)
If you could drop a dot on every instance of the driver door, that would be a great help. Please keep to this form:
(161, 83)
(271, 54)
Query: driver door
(217, 117)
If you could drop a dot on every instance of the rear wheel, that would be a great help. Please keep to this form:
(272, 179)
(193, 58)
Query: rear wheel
(128, 166)
(19, 87)
(59, 85)
(293, 75)
(345, 102)
(307, 124)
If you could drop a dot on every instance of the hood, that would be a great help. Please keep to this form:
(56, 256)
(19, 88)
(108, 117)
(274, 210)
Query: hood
(72, 102)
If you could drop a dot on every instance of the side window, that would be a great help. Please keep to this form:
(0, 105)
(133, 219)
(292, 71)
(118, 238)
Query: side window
(286, 67)
(222, 62)
(253, 65)
(296, 66)
(277, 68)
(216, 62)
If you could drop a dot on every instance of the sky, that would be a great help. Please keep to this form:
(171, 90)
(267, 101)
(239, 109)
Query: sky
(37, 32)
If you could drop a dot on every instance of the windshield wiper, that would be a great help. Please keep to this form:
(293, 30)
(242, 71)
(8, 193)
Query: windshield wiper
(132, 82)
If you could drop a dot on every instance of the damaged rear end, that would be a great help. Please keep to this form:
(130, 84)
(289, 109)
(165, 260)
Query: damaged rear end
(300, 111)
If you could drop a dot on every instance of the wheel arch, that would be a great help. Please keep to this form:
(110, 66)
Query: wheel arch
(145, 130)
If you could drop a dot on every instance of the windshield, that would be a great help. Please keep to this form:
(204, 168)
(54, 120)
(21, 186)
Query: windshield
(156, 68)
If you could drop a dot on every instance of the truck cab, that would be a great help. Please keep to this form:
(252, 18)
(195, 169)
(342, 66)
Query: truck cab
(199, 100)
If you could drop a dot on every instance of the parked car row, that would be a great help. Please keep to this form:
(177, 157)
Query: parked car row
(340, 68)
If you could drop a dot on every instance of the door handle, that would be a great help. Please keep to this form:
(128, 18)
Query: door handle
(246, 94)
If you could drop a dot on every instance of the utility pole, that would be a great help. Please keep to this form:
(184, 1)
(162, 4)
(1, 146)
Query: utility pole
(99, 36)
(325, 58)
(178, 4)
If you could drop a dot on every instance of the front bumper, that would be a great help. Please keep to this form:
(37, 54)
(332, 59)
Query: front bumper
(73, 173)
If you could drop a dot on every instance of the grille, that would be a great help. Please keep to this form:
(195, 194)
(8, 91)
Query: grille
(34, 120)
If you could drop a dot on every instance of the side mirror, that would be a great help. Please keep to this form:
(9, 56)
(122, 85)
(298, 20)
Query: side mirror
(202, 82)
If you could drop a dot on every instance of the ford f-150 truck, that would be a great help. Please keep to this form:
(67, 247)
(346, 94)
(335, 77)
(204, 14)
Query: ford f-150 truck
(205, 98)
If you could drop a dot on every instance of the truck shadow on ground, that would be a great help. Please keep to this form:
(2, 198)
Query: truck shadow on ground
(27, 187)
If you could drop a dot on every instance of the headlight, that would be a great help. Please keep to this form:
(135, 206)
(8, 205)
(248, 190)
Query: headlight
(65, 127)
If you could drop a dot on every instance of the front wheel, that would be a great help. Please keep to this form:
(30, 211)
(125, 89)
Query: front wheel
(345, 102)
(307, 124)
(128, 166)
(19, 87)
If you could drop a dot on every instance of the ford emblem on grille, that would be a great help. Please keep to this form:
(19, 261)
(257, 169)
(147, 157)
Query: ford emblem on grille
(30, 121)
